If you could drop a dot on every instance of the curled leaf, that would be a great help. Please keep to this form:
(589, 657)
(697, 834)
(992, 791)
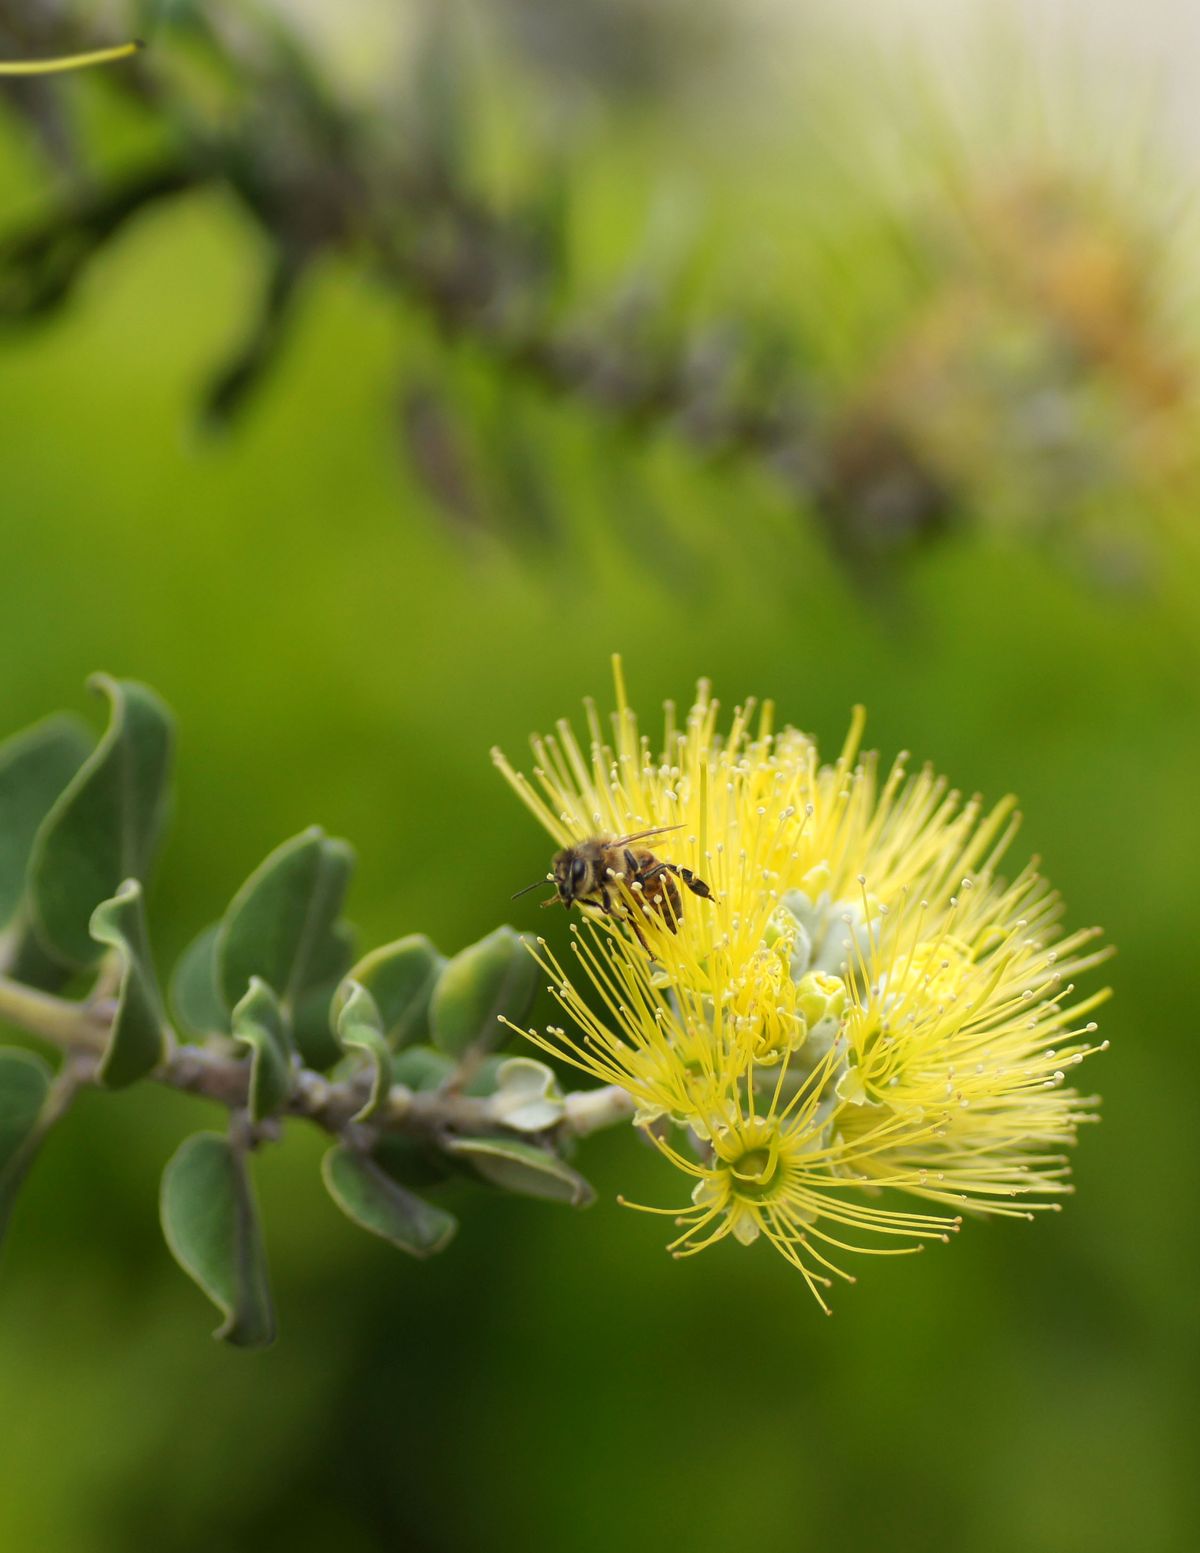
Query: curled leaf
(210, 1223)
(137, 1042)
(103, 828)
(401, 978)
(527, 1096)
(360, 1029)
(35, 767)
(375, 1202)
(520, 1167)
(259, 1023)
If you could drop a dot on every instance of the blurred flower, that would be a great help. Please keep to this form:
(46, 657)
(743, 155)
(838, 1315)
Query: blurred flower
(864, 1004)
(1037, 384)
(30, 67)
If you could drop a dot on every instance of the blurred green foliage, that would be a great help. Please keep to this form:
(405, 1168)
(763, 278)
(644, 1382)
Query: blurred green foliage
(337, 654)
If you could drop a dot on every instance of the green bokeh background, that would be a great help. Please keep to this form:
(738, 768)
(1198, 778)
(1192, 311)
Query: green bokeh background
(336, 655)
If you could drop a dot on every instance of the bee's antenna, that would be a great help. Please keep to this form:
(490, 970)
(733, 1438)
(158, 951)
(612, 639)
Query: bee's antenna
(545, 879)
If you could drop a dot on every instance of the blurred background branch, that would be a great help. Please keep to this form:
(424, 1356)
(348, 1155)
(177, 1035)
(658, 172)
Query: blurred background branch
(241, 99)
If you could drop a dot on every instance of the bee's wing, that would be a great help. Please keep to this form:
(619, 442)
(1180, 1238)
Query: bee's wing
(640, 835)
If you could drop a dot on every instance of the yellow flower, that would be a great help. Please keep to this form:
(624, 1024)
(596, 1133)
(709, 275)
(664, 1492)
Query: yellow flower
(864, 1004)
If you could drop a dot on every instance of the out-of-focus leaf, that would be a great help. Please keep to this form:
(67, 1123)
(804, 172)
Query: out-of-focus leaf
(210, 1223)
(401, 978)
(311, 1020)
(138, 1042)
(35, 767)
(483, 1078)
(496, 976)
(195, 1001)
(375, 1202)
(27, 960)
(420, 1067)
(412, 1161)
(360, 1028)
(280, 925)
(519, 1167)
(24, 1085)
(104, 826)
(259, 1023)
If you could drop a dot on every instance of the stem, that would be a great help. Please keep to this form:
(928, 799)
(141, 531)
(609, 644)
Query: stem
(73, 1027)
(81, 1031)
(588, 1110)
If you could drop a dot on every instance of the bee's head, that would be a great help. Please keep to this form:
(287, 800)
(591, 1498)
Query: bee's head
(570, 875)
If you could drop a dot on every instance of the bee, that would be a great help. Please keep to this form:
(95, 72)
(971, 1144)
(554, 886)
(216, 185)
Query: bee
(588, 871)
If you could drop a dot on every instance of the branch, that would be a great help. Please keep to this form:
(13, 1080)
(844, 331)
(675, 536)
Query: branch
(82, 1030)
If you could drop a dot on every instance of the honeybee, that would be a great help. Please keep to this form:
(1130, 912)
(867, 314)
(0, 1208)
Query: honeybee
(588, 871)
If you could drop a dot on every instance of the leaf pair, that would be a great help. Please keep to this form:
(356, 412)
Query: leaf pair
(282, 929)
(78, 831)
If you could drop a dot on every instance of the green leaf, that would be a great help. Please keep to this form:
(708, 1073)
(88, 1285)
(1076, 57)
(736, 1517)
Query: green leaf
(259, 1023)
(401, 978)
(281, 923)
(375, 1202)
(311, 1019)
(138, 1042)
(35, 766)
(193, 992)
(496, 976)
(360, 1029)
(24, 1085)
(519, 1167)
(420, 1067)
(210, 1223)
(27, 961)
(104, 827)
(411, 1161)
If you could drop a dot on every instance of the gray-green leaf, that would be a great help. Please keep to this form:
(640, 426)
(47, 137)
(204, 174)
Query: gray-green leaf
(526, 1095)
(259, 1023)
(35, 767)
(519, 1167)
(496, 976)
(420, 1067)
(24, 1085)
(375, 1202)
(210, 1223)
(193, 988)
(401, 978)
(138, 1040)
(280, 925)
(360, 1029)
(104, 827)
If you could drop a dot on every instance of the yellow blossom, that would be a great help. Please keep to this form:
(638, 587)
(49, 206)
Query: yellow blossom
(865, 1003)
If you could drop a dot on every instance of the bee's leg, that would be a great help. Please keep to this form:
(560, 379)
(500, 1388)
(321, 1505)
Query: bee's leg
(641, 937)
(693, 881)
(667, 892)
(696, 885)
